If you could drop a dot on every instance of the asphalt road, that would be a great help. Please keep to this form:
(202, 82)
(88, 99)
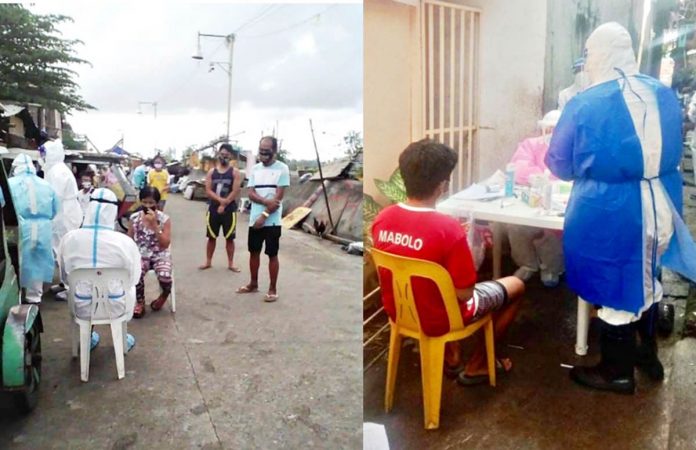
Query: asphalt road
(226, 371)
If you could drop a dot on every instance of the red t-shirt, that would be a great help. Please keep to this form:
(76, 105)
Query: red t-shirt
(429, 235)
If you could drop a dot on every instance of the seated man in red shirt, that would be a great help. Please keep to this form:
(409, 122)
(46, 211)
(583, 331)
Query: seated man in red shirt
(415, 230)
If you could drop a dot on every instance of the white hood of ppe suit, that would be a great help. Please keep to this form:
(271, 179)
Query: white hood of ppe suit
(100, 213)
(63, 182)
(55, 154)
(98, 245)
(608, 48)
(23, 164)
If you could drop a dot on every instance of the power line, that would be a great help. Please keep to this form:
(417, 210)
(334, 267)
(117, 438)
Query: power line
(295, 25)
(257, 18)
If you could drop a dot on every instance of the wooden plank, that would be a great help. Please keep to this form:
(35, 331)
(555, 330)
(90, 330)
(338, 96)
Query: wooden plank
(295, 217)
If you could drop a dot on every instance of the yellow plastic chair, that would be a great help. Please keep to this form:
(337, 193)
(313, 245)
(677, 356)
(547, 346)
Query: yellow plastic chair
(432, 349)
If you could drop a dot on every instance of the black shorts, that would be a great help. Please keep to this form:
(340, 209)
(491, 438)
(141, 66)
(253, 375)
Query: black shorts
(228, 222)
(269, 235)
(489, 296)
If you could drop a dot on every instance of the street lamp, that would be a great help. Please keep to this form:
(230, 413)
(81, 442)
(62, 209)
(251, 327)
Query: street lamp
(227, 67)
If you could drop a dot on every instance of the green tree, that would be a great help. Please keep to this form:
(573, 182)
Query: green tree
(35, 60)
(354, 144)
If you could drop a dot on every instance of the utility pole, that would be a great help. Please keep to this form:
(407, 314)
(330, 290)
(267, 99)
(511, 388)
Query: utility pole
(321, 177)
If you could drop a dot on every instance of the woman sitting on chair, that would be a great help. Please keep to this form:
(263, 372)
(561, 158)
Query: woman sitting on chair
(151, 230)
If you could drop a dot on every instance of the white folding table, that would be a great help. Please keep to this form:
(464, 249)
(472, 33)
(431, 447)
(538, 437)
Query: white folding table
(514, 211)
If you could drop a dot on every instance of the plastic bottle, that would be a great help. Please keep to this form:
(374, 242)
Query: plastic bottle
(510, 180)
(547, 192)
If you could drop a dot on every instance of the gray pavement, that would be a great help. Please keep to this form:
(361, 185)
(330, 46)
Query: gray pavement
(537, 406)
(227, 371)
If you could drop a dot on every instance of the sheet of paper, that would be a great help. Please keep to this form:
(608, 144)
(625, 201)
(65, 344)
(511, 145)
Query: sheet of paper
(477, 192)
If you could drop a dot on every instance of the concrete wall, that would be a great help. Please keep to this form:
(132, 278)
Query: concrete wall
(570, 22)
(511, 75)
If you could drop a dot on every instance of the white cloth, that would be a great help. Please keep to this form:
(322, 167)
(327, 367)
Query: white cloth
(64, 184)
(97, 245)
(609, 48)
(536, 249)
(374, 437)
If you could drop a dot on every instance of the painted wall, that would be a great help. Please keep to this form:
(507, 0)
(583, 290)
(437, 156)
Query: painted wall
(391, 68)
(511, 76)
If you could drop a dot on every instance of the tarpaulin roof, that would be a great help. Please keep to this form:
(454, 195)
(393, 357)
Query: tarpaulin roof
(10, 110)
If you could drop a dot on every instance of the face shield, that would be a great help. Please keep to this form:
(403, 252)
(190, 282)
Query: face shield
(548, 123)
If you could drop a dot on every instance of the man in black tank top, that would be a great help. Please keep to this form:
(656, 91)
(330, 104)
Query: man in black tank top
(222, 185)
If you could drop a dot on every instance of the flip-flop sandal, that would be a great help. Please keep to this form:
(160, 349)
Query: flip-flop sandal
(94, 340)
(158, 303)
(130, 342)
(247, 290)
(473, 380)
(270, 298)
(139, 310)
(453, 372)
(234, 269)
(204, 267)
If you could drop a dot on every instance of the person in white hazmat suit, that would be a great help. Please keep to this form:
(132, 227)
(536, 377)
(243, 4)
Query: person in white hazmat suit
(533, 249)
(97, 245)
(579, 84)
(620, 141)
(62, 180)
(36, 204)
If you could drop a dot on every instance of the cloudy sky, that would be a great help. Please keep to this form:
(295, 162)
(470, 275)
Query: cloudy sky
(292, 62)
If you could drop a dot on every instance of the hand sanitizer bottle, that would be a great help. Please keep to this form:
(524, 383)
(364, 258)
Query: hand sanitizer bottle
(509, 180)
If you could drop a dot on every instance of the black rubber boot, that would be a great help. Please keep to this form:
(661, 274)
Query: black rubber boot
(646, 353)
(615, 370)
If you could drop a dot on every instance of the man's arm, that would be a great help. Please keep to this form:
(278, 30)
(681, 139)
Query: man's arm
(209, 188)
(236, 186)
(283, 182)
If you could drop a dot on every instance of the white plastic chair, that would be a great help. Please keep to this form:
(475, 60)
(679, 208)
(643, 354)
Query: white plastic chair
(172, 294)
(102, 312)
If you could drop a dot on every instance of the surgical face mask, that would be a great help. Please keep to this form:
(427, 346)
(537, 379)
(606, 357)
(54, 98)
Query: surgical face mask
(157, 166)
(86, 185)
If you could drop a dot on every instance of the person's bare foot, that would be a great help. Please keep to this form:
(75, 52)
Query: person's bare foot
(205, 266)
(247, 289)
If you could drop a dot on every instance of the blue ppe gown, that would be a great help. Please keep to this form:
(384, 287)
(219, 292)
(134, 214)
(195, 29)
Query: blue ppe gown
(595, 144)
(36, 204)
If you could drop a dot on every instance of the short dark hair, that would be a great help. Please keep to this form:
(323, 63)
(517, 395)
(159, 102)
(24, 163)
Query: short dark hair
(227, 147)
(274, 142)
(150, 192)
(424, 165)
(87, 173)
